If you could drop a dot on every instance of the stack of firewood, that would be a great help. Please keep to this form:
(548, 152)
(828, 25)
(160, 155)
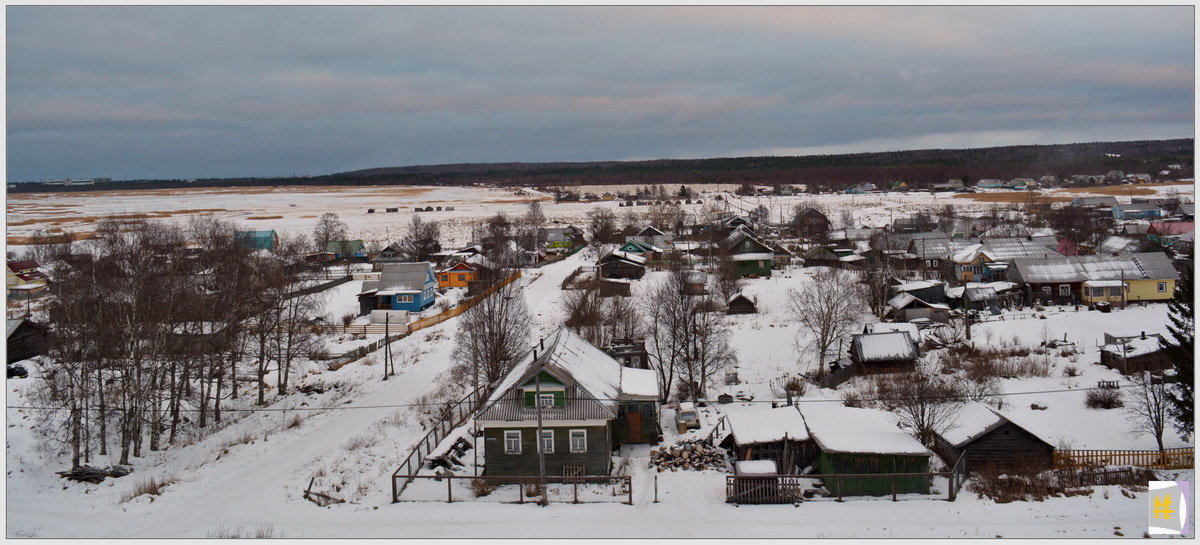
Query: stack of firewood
(94, 475)
(689, 455)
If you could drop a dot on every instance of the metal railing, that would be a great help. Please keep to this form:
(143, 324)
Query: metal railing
(449, 420)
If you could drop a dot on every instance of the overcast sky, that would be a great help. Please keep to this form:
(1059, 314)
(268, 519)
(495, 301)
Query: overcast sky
(183, 92)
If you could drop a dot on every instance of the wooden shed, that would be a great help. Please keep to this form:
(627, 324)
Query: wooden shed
(741, 304)
(889, 352)
(865, 442)
(618, 264)
(988, 438)
(1135, 354)
(777, 434)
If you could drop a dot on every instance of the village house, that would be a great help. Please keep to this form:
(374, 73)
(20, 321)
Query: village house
(352, 250)
(907, 307)
(26, 339)
(562, 239)
(618, 264)
(574, 393)
(648, 251)
(751, 256)
(1167, 233)
(24, 279)
(991, 257)
(650, 236)
(810, 223)
(1146, 277)
(987, 438)
(462, 274)
(401, 286)
(1136, 211)
(258, 240)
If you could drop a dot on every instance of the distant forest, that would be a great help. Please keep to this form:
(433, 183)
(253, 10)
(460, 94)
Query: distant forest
(917, 167)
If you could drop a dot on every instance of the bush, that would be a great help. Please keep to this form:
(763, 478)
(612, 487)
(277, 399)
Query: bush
(150, 487)
(1071, 371)
(481, 488)
(1103, 399)
(795, 385)
(348, 317)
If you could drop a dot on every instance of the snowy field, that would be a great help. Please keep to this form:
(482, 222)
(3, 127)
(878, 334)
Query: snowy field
(296, 210)
(249, 477)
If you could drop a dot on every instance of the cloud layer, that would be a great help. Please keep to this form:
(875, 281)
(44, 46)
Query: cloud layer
(134, 92)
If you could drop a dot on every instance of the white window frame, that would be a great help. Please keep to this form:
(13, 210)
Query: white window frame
(1162, 287)
(510, 435)
(543, 397)
(1047, 289)
(404, 298)
(547, 443)
(1064, 290)
(578, 441)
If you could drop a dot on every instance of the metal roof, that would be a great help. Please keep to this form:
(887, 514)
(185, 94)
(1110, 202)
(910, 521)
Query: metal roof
(1141, 266)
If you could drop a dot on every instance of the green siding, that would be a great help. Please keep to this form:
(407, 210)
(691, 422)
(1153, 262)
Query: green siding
(596, 461)
(760, 267)
(837, 463)
(560, 398)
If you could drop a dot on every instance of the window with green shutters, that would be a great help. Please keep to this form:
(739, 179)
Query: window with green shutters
(558, 396)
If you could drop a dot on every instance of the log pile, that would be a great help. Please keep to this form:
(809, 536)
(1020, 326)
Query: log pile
(693, 455)
(94, 475)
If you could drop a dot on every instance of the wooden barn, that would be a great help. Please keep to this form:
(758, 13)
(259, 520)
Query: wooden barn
(889, 352)
(741, 304)
(26, 339)
(988, 438)
(865, 442)
(777, 434)
(615, 287)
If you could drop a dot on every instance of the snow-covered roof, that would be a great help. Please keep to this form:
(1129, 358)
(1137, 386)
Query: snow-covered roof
(851, 430)
(572, 358)
(629, 257)
(888, 327)
(639, 383)
(1104, 284)
(12, 325)
(917, 285)
(1134, 347)
(762, 425)
(902, 300)
(884, 346)
(752, 257)
(974, 420)
(755, 467)
(851, 257)
(401, 277)
(1141, 266)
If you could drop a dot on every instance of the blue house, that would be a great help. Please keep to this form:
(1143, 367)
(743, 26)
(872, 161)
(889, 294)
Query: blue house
(401, 286)
(347, 249)
(257, 240)
(1136, 211)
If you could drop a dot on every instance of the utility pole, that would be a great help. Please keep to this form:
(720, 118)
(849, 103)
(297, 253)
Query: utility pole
(387, 348)
(537, 398)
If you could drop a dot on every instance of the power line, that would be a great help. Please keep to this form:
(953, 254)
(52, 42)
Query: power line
(434, 404)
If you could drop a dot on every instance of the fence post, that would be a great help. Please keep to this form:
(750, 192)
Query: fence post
(656, 489)
(521, 492)
(837, 481)
(395, 497)
(576, 486)
(629, 486)
(449, 490)
(893, 488)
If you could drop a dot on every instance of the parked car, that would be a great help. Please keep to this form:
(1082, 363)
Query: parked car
(17, 370)
(686, 417)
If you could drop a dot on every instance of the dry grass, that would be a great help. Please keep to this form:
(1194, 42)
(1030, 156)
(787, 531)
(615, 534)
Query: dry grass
(265, 531)
(150, 487)
(1009, 197)
(359, 442)
(1119, 190)
(256, 190)
(264, 217)
(1103, 399)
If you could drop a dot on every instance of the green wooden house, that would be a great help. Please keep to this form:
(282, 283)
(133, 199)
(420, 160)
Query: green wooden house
(580, 394)
(751, 256)
(865, 442)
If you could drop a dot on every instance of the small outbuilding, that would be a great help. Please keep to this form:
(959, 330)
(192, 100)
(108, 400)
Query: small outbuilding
(865, 442)
(741, 304)
(618, 264)
(777, 434)
(989, 439)
(1134, 354)
(890, 352)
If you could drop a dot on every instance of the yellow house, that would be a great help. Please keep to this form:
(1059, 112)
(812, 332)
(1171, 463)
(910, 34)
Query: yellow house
(1120, 279)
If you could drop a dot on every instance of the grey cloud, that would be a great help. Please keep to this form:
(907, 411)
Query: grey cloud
(224, 91)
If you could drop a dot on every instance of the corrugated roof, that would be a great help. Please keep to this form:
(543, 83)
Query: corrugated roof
(1140, 266)
(403, 276)
(884, 346)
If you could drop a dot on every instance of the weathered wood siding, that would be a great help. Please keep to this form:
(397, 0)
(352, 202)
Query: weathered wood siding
(596, 461)
(650, 430)
(1003, 447)
(837, 463)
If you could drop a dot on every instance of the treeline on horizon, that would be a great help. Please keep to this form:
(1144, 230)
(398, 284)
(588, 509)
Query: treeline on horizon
(917, 167)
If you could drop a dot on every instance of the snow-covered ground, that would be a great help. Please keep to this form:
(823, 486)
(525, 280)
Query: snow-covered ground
(249, 476)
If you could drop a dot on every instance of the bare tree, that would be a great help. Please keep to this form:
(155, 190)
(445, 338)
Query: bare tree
(493, 334)
(876, 285)
(924, 403)
(422, 240)
(1148, 409)
(727, 277)
(329, 228)
(828, 308)
(604, 225)
(687, 341)
(585, 314)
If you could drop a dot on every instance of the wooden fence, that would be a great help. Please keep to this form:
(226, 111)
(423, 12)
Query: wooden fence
(319, 287)
(1172, 458)
(364, 329)
(451, 419)
(528, 485)
(465, 306)
(833, 379)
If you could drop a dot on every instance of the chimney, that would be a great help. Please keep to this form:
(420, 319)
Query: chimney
(1143, 334)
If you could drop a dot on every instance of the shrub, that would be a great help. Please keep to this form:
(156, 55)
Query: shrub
(481, 488)
(348, 317)
(1071, 371)
(852, 399)
(360, 442)
(795, 385)
(149, 487)
(1103, 399)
